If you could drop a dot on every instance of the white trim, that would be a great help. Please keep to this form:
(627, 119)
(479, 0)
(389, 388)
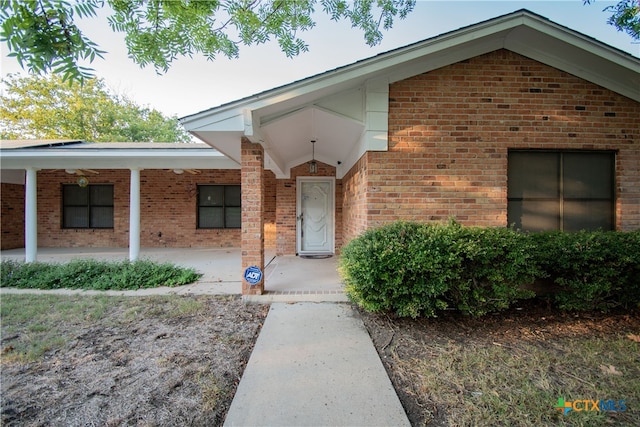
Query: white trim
(332, 184)
(134, 215)
(103, 159)
(31, 216)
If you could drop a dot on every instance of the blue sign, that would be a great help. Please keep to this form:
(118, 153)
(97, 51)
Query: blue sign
(253, 275)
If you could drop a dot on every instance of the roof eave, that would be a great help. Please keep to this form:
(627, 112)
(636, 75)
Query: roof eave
(485, 36)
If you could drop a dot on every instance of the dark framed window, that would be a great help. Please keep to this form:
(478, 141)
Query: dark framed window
(561, 190)
(87, 207)
(219, 206)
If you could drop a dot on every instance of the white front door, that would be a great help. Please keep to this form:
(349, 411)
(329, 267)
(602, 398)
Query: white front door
(315, 213)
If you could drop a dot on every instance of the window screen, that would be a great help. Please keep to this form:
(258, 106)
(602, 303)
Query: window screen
(219, 206)
(558, 190)
(87, 207)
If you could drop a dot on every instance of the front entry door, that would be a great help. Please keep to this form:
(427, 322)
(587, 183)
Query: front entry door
(315, 214)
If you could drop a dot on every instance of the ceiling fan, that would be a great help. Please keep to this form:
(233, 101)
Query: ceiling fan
(181, 171)
(81, 172)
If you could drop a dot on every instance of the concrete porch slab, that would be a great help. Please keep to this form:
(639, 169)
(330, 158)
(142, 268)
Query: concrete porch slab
(288, 278)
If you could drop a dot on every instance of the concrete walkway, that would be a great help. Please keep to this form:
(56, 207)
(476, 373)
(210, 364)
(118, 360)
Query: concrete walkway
(314, 365)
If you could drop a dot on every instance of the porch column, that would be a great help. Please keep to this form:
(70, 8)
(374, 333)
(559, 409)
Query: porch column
(252, 161)
(134, 215)
(31, 216)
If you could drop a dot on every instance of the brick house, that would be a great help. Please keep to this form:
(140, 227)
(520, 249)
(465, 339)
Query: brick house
(512, 121)
(516, 120)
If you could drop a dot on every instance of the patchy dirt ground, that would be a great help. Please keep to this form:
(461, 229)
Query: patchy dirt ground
(147, 365)
(535, 325)
(178, 361)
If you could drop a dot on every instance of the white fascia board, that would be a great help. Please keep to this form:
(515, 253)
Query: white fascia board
(117, 159)
(586, 43)
(228, 120)
(275, 165)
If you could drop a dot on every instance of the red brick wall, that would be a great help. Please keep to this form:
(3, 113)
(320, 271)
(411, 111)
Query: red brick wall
(450, 129)
(12, 231)
(252, 212)
(168, 210)
(354, 202)
(286, 208)
(269, 210)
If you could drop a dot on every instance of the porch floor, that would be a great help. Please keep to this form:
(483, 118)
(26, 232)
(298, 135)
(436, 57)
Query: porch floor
(286, 277)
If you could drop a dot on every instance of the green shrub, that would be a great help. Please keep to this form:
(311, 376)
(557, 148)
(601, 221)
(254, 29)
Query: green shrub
(593, 270)
(496, 263)
(95, 275)
(417, 269)
(403, 267)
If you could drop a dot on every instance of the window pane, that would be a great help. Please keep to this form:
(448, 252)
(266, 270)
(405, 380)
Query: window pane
(102, 217)
(101, 195)
(533, 175)
(588, 175)
(76, 217)
(75, 195)
(588, 215)
(534, 215)
(233, 217)
(210, 195)
(210, 217)
(232, 195)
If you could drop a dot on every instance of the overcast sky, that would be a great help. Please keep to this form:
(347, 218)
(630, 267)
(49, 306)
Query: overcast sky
(193, 85)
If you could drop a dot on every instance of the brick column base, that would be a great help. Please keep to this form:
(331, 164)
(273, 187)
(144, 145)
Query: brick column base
(252, 163)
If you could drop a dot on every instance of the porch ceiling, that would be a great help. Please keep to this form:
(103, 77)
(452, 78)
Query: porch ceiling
(292, 134)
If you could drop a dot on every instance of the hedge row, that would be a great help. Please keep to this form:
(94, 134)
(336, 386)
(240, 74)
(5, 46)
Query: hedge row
(94, 274)
(417, 269)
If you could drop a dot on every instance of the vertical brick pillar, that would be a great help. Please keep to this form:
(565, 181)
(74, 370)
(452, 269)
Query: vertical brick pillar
(252, 162)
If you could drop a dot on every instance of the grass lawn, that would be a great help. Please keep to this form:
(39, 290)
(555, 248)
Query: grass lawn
(511, 369)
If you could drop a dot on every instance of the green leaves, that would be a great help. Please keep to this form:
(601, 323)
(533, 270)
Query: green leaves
(94, 275)
(625, 16)
(37, 107)
(43, 36)
(593, 270)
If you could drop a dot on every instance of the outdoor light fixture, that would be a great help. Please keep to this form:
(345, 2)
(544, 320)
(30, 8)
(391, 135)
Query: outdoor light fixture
(83, 181)
(178, 171)
(313, 165)
(70, 171)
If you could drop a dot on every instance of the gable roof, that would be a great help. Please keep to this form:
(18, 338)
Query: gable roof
(286, 118)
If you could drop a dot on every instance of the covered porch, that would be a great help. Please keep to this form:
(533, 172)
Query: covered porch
(287, 278)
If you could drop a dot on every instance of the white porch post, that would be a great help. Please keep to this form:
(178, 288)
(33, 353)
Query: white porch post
(31, 216)
(134, 215)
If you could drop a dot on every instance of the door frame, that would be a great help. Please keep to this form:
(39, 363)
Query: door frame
(332, 201)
